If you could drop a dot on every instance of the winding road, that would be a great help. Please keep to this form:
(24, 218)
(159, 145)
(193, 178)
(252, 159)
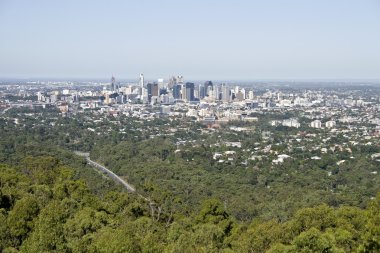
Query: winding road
(108, 172)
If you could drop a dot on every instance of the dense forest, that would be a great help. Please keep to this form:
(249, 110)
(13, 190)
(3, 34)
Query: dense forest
(44, 209)
(260, 190)
(52, 201)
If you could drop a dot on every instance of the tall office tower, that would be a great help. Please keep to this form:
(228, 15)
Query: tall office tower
(237, 89)
(144, 95)
(113, 83)
(208, 87)
(107, 99)
(160, 81)
(172, 82)
(150, 91)
(177, 91)
(189, 91)
(155, 90)
(196, 93)
(39, 96)
(225, 93)
(201, 91)
(141, 81)
(250, 95)
(183, 92)
(216, 92)
(242, 90)
(179, 79)
(240, 96)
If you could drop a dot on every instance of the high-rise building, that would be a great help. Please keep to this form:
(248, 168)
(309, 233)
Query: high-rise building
(316, 124)
(149, 86)
(177, 91)
(153, 90)
(225, 93)
(196, 93)
(141, 81)
(330, 124)
(239, 96)
(237, 89)
(208, 86)
(183, 92)
(202, 93)
(189, 91)
(250, 95)
(216, 93)
(113, 83)
(172, 82)
(179, 79)
(39, 96)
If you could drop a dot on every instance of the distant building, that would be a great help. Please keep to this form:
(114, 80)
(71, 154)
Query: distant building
(225, 93)
(330, 124)
(250, 95)
(165, 109)
(189, 92)
(179, 79)
(141, 81)
(208, 87)
(316, 124)
(177, 91)
(113, 83)
(152, 90)
(290, 123)
(64, 107)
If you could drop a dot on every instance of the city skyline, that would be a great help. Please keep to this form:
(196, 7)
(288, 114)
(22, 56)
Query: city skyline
(217, 40)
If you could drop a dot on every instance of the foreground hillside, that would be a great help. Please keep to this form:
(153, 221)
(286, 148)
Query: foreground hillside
(44, 209)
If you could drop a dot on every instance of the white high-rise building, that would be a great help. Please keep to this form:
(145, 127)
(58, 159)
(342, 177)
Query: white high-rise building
(141, 81)
(330, 124)
(215, 92)
(225, 93)
(291, 123)
(39, 96)
(242, 90)
(237, 89)
(250, 95)
(179, 79)
(141, 87)
(316, 124)
(183, 92)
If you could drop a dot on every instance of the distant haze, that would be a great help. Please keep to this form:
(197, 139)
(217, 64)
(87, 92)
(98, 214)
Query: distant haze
(208, 39)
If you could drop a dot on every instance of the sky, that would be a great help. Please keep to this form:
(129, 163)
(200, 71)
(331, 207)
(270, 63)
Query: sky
(199, 39)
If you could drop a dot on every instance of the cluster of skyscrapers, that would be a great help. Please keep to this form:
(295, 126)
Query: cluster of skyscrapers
(178, 90)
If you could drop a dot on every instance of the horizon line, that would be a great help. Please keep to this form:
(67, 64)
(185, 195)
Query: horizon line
(192, 79)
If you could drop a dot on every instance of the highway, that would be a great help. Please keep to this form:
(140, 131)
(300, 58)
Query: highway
(115, 177)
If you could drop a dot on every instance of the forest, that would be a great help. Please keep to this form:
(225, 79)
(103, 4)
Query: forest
(43, 208)
(52, 201)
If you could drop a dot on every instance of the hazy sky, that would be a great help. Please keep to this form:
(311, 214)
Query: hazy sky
(200, 39)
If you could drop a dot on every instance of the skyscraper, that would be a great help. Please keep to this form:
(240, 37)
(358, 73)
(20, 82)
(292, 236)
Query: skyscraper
(189, 91)
(155, 90)
(113, 83)
(179, 79)
(177, 91)
(172, 82)
(207, 88)
(225, 93)
(141, 81)
(152, 90)
(141, 88)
